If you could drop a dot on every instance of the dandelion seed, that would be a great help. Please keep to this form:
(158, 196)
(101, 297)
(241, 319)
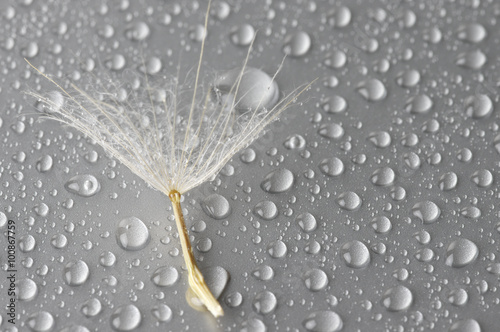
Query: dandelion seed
(174, 145)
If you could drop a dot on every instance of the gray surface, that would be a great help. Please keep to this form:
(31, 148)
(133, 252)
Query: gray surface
(436, 268)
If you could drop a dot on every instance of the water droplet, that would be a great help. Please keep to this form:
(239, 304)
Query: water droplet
(448, 181)
(472, 33)
(256, 89)
(349, 201)
(471, 212)
(26, 289)
(336, 59)
(278, 181)
(458, 297)
(424, 255)
(242, 35)
(44, 164)
(408, 78)
(162, 313)
(427, 211)
(384, 176)
(466, 325)
(380, 139)
(339, 17)
(107, 259)
(263, 272)
(137, 31)
(27, 243)
(216, 206)
(264, 303)
(76, 273)
(116, 62)
(335, 104)
(41, 209)
(419, 104)
(398, 298)
(91, 307)
(298, 44)
(331, 130)
(315, 279)
(41, 321)
(323, 321)
(372, 89)
(165, 276)
(126, 318)
(132, 234)
(83, 185)
(295, 142)
(253, 325)
(482, 178)
(332, 166)
(307, 222)
(478, 106)
(381, 224)
(277, 249)
(234, 299)
(248, 155)
(461, 252)
(59, 241)
(355, 254)
(267, 210)
(472, 59)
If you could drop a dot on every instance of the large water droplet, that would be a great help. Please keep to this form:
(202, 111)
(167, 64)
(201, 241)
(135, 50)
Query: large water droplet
(398, 298)
(478, 106)
(332, 166)
(355, 254)
(472, 59)
(472, 33)
(461, 252)
(126, 318)
(216, 206)
(419, 104)
(482, 178)
(91, 307)
(297, 44)
(41, 321)
(331, 130)
(466, 325)
(448, 181)
(323, 321)
(307, 222)
(264, 302)
(315, 279)
(372, 89)
(26, 289)
(83, 185)
(278, 181)
(76, 273)
(277, 249)
(427, 211)
(132, 234)
(267, 210)
(384, 176)
(349, 201)
(165, 276)
(162, 312)
(256, 89)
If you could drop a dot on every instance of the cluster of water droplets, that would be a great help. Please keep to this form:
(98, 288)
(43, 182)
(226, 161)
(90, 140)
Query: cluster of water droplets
(372, 205)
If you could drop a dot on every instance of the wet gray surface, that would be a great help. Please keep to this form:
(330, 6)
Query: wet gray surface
(372, 205)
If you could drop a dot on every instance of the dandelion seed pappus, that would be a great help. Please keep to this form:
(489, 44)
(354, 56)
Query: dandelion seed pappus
(172, 142)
